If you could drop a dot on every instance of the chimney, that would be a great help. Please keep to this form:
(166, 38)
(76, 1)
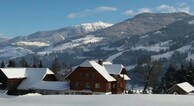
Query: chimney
(100, 61)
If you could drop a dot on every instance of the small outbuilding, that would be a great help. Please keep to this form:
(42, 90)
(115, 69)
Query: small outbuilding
(181, 88)
(18, 81)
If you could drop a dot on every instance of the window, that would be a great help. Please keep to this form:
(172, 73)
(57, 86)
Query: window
(109, 85)
(87, 75)
(97, 85)
(82, 75)
(93, 76)
(114, 86)
(87, 85)
(77, 84)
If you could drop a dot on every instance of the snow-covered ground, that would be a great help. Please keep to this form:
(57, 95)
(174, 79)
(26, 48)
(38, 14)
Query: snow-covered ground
(164, 55)
(191, 22)
(99, 100)
(155, 48)
(39, 44)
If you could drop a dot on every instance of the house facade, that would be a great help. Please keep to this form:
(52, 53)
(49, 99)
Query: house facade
(18, 81)
(95, 77)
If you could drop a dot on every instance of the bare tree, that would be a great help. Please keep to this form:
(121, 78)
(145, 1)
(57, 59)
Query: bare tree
(56, 66)
(150, 73)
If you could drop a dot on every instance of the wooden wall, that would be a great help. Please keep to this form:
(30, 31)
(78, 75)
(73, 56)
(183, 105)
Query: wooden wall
(50, 78)
(3, 80)
(82, 76)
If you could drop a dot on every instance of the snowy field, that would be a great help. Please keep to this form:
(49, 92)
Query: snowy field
(98, 100)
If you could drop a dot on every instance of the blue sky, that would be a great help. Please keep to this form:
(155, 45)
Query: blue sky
(23, 17)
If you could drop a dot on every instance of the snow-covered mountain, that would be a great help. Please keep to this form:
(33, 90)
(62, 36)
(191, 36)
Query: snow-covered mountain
(140, 24)
(161, 36)
(173, 44)
(47, 38)
(42, 39)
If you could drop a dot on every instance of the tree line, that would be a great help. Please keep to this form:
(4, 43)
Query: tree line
(21, 63)
(174, 76)
(152, 77)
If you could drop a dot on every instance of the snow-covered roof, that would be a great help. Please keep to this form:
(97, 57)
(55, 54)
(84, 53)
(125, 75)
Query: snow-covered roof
(34, 78)
(105, 70)
(106, 62)
(99, 68)
(186, 87)
(50, 85)
(125, 77)
(102, 71)
(114, 68)
(86, 64)
(34, 75)
(14, 72)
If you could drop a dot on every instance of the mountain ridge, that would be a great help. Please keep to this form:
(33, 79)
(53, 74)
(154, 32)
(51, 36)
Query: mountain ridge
(132, 38)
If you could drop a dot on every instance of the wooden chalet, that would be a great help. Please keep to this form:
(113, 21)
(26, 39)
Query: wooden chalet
(181, 88)
(18, 81)
(97, 77)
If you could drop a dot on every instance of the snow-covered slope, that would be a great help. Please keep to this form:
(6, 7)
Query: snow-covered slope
(14, 52)
(46, 38)
(38, 44)
(90, 27)
(80, 42)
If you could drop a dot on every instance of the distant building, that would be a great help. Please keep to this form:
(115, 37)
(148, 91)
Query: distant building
(98, 77)
(18, 81)
(181, 88)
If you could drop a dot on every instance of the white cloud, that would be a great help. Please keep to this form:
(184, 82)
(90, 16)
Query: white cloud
(166, 8)
(129, 12)
(144, 10)
(182, 7)
(72, 15)
(182, 4)
(88, 12)
(81, 14)
(105, 9)
(163, 8)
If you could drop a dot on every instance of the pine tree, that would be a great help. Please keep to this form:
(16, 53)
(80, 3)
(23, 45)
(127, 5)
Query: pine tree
(190, 73)
(34, 65)
(40, 64)
(171, 76)
(168, 80)
(23, 63)
(2, 64)
(11, 63)
(181, 74)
